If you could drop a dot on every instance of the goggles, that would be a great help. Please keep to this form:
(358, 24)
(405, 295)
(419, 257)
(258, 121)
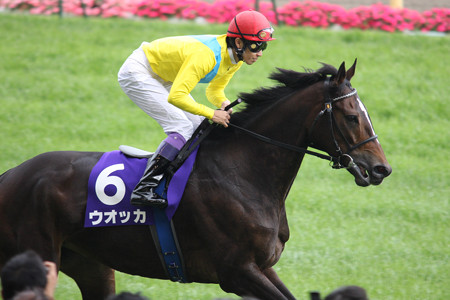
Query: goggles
(256, 46)
(265, 34)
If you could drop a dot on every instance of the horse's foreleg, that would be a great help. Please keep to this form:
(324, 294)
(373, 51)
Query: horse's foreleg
(250, 281)
(273, 277)
(95, 280)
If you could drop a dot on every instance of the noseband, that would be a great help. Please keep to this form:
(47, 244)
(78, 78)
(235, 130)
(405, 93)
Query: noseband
(337, 161)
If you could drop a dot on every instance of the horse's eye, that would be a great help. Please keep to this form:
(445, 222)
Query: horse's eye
(352, 119)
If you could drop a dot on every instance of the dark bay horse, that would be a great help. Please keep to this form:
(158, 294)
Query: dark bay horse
(231, 223)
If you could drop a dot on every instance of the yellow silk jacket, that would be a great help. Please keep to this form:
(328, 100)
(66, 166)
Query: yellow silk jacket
(187, 60)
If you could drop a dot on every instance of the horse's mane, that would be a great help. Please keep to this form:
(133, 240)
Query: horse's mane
(289, 81)
(264, 97)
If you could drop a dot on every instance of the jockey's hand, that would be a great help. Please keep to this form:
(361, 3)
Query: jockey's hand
(225, 104)
(221, 117)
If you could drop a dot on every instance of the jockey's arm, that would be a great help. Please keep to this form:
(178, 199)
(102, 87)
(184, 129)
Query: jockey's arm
(192, 71)
(215, 92)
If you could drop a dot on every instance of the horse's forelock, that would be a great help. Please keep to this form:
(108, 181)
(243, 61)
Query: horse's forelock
(327, 70)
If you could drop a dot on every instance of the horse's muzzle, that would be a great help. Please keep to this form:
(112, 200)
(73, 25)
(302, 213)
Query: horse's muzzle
(365, 176)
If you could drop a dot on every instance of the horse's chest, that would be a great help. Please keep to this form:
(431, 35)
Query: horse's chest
(271, 256)
(268, 247)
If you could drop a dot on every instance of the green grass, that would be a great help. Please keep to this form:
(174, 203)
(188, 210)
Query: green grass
(59, 91)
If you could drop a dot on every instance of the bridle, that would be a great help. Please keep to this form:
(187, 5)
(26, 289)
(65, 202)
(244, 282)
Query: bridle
(328, 110)
(337, 162)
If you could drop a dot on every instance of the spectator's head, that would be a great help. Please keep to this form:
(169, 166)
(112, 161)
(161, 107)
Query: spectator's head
(32, 294)
(23, 271)
(127, 296)
(351, 292)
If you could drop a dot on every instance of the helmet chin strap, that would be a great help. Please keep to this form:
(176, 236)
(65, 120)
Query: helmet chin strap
(239, 52)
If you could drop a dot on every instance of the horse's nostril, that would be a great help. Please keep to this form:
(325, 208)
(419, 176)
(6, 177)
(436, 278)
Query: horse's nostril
(382, 170)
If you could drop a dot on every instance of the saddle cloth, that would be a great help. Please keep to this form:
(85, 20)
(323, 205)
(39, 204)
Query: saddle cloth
(112, 181)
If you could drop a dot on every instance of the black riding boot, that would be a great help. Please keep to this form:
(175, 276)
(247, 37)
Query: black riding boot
(144, 192)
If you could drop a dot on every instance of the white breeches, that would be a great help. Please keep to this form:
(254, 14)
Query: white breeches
(150, 92)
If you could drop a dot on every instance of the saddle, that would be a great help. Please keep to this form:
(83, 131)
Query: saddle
(134, 152)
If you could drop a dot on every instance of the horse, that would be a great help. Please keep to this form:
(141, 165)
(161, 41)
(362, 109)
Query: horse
(234, 200)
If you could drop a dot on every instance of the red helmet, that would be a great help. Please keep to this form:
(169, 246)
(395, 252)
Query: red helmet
(250, 25)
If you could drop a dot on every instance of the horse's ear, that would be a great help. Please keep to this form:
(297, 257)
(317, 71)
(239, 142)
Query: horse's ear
(340, 77)
(351, 71)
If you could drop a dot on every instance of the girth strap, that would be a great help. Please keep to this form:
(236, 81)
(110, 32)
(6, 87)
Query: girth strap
(166, 242)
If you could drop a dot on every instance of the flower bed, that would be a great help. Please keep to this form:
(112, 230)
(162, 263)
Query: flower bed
(305, 13)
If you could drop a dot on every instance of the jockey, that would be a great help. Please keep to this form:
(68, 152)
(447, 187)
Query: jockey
(159, 76)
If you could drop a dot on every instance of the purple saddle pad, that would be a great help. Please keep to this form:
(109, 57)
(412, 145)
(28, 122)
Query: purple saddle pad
(111, 183)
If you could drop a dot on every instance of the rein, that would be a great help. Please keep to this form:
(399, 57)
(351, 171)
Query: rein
(281, 144)
(336, 160)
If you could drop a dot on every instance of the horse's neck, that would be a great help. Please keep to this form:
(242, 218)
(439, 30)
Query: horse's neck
(285, 122)
(287, 119)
